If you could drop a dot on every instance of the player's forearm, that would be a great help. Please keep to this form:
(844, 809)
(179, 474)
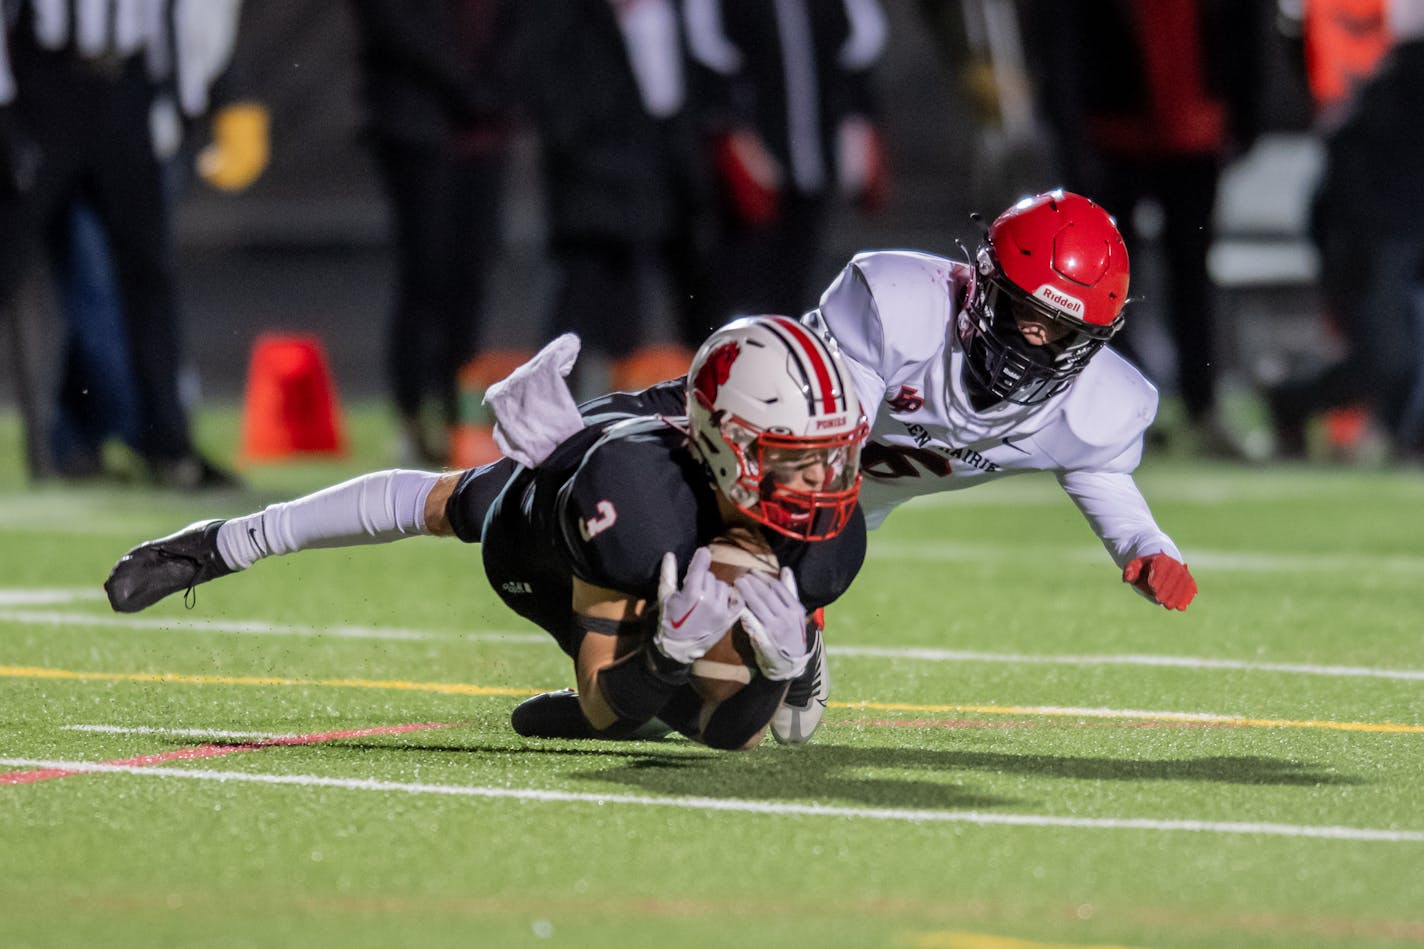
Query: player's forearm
(619, 687)
(620, 696)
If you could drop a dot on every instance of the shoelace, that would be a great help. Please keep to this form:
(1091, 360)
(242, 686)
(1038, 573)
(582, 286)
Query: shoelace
(190, 596)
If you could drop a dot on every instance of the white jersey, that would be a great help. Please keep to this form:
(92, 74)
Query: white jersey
(893, 314)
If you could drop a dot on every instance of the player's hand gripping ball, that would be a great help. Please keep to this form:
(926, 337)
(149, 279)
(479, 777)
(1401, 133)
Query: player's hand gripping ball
(775, 619)
(695, 614)
(731, 662)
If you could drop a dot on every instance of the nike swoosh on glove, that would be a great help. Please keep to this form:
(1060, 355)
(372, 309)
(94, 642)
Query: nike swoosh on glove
(693, 617)
(1163, 580)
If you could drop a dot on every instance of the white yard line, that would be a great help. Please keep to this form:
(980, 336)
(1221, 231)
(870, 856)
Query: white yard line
(513, 637)
(259, 627)
(1340, 565)
(21, 596)
(176, 732)
(736, 805)
(1179, 662)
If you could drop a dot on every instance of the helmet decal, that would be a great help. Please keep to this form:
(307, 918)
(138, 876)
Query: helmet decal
(715, 371)
(1060, 301)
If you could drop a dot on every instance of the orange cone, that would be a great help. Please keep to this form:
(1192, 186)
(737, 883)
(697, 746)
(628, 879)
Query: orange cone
(291, 404)
(472, 439)
(650, 365)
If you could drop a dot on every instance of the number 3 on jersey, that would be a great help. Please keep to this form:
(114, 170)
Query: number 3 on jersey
(591, 527)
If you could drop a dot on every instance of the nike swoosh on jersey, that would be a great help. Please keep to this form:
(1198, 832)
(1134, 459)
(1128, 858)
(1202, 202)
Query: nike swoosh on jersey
(1008, 442)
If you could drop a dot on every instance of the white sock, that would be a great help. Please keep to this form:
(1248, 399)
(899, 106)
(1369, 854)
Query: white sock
(373, 509)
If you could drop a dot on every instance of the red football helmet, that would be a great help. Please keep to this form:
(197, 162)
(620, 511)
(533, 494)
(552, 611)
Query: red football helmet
(774, 415)
(1055, 259)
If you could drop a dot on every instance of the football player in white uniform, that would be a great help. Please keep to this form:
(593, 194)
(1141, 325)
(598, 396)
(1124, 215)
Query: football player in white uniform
(971, 372)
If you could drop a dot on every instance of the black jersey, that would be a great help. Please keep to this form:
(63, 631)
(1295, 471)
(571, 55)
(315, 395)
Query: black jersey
(606, 506)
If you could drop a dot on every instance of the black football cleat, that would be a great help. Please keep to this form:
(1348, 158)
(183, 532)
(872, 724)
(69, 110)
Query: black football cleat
(799, 713)
(551, 715)
(558, 715)
(153, 570)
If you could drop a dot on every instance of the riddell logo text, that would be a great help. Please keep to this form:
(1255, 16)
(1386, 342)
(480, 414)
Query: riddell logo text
(838, 422)
(1061, 300)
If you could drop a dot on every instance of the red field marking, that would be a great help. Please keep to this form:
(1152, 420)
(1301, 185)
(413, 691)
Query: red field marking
(214, 751)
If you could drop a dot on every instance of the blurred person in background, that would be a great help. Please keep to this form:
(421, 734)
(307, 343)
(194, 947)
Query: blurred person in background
(605, 82)
(436, 89)
(77, 90)
(97, 399)
(785, 100)
(1150, 99)
(588, 525)
(1368, 221)
(1013, 152)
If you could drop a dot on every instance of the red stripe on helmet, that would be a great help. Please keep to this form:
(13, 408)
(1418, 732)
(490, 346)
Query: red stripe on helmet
(821, 368)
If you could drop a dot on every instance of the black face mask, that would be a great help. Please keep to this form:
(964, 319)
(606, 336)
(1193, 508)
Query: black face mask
(1000, 365)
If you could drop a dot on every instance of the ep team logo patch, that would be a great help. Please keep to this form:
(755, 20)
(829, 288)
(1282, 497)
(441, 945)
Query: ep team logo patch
(908, 399)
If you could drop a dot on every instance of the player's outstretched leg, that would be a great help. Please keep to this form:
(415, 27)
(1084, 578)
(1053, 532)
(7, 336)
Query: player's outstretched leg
(153, 570)
(800, 712)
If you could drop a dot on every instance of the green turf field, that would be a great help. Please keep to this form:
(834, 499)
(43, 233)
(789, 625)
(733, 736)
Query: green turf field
(1019, 753)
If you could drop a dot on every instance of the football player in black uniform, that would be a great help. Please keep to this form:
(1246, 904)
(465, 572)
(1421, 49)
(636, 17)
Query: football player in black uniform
(588, 538)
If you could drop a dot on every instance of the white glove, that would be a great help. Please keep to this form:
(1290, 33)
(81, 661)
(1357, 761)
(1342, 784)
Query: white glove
(694, 617)
(775, 621)
(533, 409)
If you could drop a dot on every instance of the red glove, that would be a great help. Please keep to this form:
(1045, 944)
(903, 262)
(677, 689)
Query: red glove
(751, 174)
(1162, 580)
(864, 166)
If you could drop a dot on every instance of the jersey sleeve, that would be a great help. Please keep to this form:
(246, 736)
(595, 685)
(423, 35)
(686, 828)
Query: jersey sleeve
(824, 569)
(628, 503)
(888, 312)
(1118, 514)
(668, 398)
(1106, 413)
(1111, 404)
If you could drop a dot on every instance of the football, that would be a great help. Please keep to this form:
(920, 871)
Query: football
(731, 663)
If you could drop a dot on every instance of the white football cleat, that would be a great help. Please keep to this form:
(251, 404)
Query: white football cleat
(799, 714)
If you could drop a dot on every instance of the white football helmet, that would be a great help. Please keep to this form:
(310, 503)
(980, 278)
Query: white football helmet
(774, 416)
